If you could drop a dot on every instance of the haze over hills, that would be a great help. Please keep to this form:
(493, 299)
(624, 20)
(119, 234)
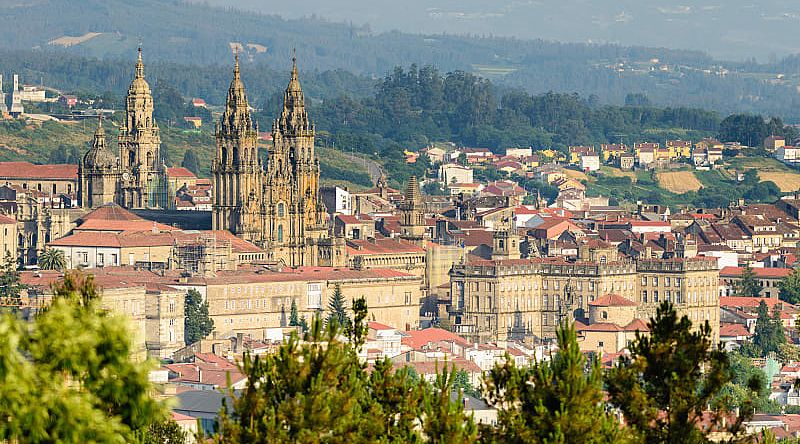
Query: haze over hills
(189, 35)
(730, 29)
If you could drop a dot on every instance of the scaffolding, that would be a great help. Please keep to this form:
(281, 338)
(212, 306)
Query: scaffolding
(202, 254)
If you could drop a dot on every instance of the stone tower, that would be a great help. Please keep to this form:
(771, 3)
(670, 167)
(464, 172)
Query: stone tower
(412, 214)
(295, 215)
(236, 170)
(505, 241)
(143, 183)
(98, 173)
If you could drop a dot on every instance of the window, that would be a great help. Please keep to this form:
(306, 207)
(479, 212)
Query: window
(644, 280)
(544, 285)
(280, 233)
(114, 259)
(591, 286)
(605, 315)
(655, 296)
(655, 281)
(677, 282)
(545, 301)
(667, 281)
(644, 295)
(599, 343)
(667, 295)
(281, 210)
(101, 259)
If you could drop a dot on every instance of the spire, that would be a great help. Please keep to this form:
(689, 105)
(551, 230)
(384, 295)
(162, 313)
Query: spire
(294, 81)
(100, 131)
(237, 112)
(139, 65)
(294, 119)
(412, 195)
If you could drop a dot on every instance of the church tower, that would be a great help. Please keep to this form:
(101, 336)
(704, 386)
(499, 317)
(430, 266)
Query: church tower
(143, 182)
(236, 169)
(295, 215)
(412, 214)
(98, 173)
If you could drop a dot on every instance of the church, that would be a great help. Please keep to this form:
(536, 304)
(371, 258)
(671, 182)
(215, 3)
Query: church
(134, 178)
(276, 205)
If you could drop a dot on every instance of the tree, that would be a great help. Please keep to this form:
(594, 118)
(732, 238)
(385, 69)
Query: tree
(294, 319)
(790, 288)
(318, 390)
(670, 378)
(769, 334)
(551, 402)
(748, 284)
(197, 323)
(10, 285)
(52, 259)
(69, 376)
(337, 312)
(190, 162)
(164, 432)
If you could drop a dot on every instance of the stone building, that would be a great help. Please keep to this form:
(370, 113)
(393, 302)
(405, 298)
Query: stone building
(278, 205)
(136, 176)
(526, 299)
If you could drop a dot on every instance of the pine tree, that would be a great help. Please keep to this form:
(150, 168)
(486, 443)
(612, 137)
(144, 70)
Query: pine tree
(550, 402)
(10, 285)
(790, 288)
(748, 284)
(197, 323)
(337, 312)
(294, 319)
(190, 162)
(668, 381)
(69, 376)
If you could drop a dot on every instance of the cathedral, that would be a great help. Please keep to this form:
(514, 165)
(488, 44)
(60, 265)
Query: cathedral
(136, 176)
(276, 205)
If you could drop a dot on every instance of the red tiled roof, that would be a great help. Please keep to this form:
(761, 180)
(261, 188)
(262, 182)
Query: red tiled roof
(110, 212)
(357, 219)
(179, 172)
(122, 225)
(416, 339)
(612, 300)
(637, 325)
(760, 272)
(733, 330)
(749, 302)
(381, 246)
(27, 170)
(5, 220)
(378, 326)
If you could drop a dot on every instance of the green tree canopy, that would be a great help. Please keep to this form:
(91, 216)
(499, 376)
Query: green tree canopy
(551, 402)
(190, 162)
(69, 375)
(790, 288)
(197, 323)
(748, 284)
(52, 259)
(669, 380)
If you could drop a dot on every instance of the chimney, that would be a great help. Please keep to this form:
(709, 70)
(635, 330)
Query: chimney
(199, 373)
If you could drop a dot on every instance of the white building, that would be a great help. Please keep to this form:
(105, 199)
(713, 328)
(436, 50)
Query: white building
(452, 173)
(519, 152)
(788, 154)
(590, 162)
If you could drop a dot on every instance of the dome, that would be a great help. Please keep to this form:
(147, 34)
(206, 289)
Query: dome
(99, 156)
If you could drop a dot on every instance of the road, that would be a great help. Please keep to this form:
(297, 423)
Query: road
(373, 168)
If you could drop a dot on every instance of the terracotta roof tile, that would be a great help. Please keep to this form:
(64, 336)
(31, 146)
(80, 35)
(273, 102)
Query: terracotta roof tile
(27, 170)
(612, 300)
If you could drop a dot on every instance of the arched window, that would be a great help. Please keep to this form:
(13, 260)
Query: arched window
(280, 233)
(235, 155)
(281, 210)
(149, 160)
(131, 157)
(224, 156)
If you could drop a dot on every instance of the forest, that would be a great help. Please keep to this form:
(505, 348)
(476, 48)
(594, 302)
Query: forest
(196, 38)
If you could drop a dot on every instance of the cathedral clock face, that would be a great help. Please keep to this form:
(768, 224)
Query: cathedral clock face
(126, 176)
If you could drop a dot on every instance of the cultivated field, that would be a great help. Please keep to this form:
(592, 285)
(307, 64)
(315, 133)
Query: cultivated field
(786, 181)
(616, 172)
(67, 41)
(577, 175)
(679, 182)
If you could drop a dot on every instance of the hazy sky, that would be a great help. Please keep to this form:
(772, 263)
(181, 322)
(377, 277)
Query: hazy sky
(729, 29)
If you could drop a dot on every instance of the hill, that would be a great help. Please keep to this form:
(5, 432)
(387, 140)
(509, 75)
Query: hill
(200, 35)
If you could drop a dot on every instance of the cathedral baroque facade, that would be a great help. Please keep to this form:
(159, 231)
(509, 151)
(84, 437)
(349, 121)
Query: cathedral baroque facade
(276, 206)
(136, 177)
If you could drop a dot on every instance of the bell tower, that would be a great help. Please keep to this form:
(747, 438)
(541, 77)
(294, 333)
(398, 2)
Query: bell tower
(412, 214)
(98, 173)
(143, 174)
(236, 169)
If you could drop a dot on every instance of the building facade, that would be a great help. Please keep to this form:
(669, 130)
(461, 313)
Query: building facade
(136, 177)
(276, 206)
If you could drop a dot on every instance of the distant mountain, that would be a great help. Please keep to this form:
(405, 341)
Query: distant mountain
(729, 29)
(187, 34)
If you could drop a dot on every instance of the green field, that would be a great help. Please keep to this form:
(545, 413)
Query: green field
(37, 143)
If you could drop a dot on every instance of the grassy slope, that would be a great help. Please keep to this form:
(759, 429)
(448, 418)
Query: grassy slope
(35, 143)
